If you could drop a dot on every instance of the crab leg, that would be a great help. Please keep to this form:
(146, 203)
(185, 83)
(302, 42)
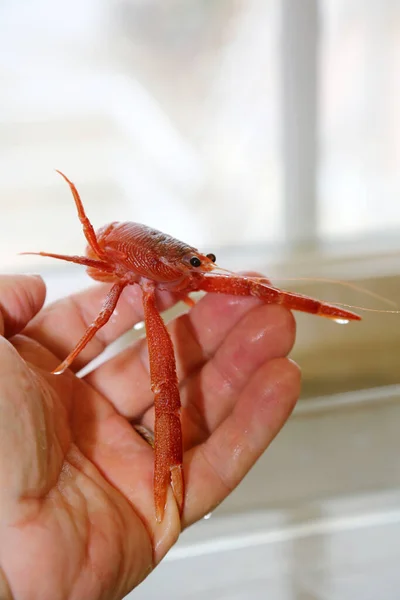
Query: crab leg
(107, 310)
(88, 230)
(167, 426)
(101, 265)
(247, 286)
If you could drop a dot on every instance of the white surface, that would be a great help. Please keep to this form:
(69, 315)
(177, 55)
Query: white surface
(343, 551)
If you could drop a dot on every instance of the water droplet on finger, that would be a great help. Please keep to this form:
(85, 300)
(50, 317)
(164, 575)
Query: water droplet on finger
(342, 321)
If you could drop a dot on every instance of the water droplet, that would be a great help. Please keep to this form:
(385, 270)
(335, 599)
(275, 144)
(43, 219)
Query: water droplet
(341, 321)
(207, 516)
(138, 326)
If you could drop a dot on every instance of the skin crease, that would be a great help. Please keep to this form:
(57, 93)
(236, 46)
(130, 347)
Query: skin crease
(76, 480)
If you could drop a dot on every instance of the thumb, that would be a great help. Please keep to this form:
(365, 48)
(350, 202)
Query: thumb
(21, 297)
(23, 433)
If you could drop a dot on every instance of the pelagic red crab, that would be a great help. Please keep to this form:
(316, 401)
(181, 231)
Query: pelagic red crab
(133, 254)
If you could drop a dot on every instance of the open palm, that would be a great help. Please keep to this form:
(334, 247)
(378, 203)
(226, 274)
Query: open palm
(77, 514)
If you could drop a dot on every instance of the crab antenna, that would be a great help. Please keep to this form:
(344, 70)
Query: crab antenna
(88, 229)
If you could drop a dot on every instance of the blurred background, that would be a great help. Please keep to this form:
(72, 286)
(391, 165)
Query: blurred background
(267, 132)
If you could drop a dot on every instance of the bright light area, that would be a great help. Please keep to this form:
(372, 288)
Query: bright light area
(171, 114)
(360, 124)
(177, 129)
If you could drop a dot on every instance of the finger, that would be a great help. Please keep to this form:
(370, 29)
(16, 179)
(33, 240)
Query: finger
(125, 379)
(21, 298)
(60, 326)
(198, 334)
(265, 333)
(214, 468)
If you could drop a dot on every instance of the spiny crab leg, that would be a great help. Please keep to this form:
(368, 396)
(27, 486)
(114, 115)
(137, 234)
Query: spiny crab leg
(261, 288)
(79, 260)
(107, 310)
(167, 426)
(88, 230)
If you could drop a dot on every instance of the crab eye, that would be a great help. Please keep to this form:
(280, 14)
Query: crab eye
(195, 262)
(212, 257)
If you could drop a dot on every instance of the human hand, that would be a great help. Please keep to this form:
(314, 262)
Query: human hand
(76, 480)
